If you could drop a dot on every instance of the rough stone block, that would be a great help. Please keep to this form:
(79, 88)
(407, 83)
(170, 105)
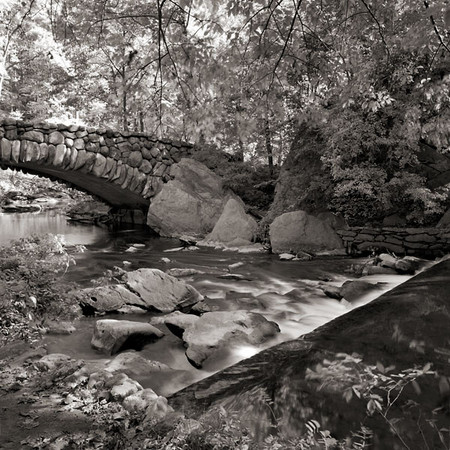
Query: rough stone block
(381, 245)
(55, 138)
(15, 151)
(122, 175)
(78, 143)
(11, 134)
(420, 238)
(68, 142)
(92, 147)
(135, 159)
(90, 161)
(59, 155)
(73, 158)
(51, 154)
(125, 147)
(417, 245)
(81, 159)
(67, 155)
(115, 153)
(35, 136)
(148, 191)
(394, 240)
(128, 178)
(34, 152)
(6, 148)
(155, 152)
(117, 171)
(99, 165)
(109, 168)
(145, 166)
(142, 180)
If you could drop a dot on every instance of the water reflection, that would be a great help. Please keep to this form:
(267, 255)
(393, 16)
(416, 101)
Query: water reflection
(15, 226)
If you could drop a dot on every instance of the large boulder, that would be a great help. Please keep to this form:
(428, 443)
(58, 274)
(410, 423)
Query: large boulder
(233, 224)
(298, 231)
(215, 330)
(107, 298)
(161, 291)
(112, 336)
(190, 203)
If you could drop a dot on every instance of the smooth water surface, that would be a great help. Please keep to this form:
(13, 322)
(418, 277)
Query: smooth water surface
(15, 226)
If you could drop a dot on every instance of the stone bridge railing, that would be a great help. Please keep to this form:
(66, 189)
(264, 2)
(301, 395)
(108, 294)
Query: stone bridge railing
(135, 162)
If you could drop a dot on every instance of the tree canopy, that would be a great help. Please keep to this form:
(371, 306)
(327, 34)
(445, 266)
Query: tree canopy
(373, 75)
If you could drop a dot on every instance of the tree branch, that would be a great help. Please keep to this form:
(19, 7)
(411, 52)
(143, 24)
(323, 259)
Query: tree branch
(436, 30)
(380, 32)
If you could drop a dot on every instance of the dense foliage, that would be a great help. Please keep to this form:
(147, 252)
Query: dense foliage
(30, 287)
(243, 75)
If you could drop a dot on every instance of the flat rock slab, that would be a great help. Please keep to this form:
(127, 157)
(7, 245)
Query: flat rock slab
(108, 298)
(214, 330)
(177, 322)
(161, 291)
(405, 327)
(112, 336)
(134, 365)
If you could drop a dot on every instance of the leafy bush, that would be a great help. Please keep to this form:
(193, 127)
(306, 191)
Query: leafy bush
(30, 270)
(375, 169)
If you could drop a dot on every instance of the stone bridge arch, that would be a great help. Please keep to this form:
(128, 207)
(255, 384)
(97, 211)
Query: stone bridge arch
(125, 169)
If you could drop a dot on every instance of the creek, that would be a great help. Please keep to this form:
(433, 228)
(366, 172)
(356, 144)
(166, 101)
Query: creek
(263, 288)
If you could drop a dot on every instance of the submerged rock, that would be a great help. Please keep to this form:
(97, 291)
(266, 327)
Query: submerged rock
(134, 365)
(180, 273)
(214, 330)
(353, 290)
(52, 361)
(332, 291)
(112, 336)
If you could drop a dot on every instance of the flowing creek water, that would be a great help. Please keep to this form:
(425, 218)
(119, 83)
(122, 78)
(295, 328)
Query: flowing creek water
(266, 282)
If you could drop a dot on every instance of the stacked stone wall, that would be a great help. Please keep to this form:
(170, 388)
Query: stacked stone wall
(428, 242)
(134, 161)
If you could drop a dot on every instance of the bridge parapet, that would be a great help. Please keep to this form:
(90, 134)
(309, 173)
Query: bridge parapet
(134, 162)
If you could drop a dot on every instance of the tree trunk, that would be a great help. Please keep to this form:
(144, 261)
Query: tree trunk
(141, 122)
(269, 148)
(124, 110)
(240, 152)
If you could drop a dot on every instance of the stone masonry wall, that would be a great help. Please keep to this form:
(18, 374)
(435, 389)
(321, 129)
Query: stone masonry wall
(134, 161)
(429, 242)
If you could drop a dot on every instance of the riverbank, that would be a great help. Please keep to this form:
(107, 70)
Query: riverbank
(291, 291)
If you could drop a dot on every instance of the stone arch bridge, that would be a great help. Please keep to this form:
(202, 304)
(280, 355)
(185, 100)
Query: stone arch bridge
(125, 169)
